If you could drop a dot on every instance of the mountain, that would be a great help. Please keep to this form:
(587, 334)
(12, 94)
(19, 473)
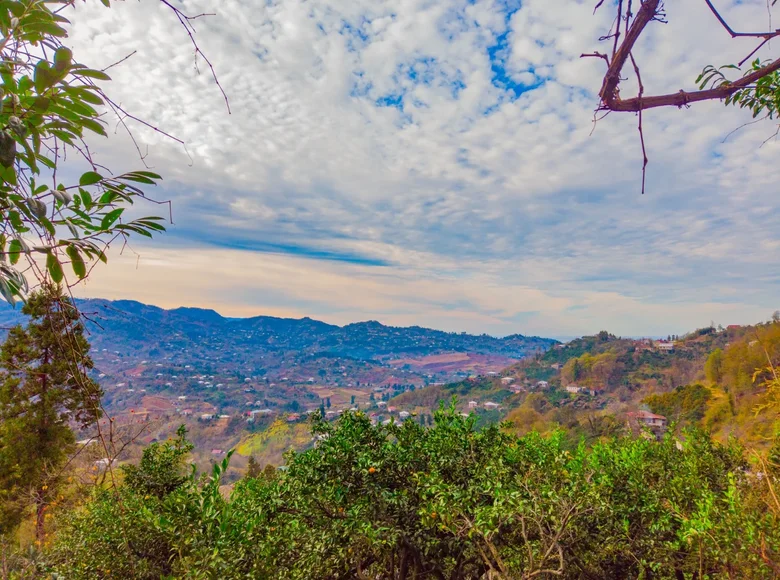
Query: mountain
(193, 352)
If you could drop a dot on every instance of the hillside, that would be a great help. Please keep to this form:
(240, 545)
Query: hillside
(713, 378)
(166, 365)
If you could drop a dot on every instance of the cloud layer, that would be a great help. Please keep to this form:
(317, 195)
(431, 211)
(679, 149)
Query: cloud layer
(433, 163)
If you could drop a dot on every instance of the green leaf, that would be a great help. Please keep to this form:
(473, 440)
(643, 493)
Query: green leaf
(90, 178)
(111, 217)
(14, 251)
(54, 267)
(76, 261)
(63, 58)
(94, 74)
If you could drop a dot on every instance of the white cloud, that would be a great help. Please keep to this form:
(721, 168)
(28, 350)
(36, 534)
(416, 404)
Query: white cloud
(373, 132)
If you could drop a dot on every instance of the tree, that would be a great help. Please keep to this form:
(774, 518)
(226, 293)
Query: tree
(51, 106)
(713, 368)
(162, 467)
(757, 89)
(327, 402)
(253, 467)
(44, 388)
(452, 501)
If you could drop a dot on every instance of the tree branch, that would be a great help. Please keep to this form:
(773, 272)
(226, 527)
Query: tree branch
(682, 98)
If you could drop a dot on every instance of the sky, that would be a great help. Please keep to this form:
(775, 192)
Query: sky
(437, 163)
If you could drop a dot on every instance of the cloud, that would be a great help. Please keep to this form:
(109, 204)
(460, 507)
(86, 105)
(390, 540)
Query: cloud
(438, 158)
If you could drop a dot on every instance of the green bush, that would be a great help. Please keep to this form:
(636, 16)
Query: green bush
(448, 501)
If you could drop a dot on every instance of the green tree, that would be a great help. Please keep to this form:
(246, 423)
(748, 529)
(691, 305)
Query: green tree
(253, 467)
(713, 368)
(162, 467)
(44, 388)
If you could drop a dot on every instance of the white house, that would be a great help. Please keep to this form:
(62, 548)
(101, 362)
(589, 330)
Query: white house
(664, 346)
(491, 405)
(574, 389)
(404, 414)
(507, 380)
(542, 385)
(472, 405)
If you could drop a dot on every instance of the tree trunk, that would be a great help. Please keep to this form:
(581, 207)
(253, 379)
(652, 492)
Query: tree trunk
(40, 512)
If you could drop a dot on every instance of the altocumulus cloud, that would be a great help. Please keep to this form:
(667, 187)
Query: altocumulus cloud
(433, 163)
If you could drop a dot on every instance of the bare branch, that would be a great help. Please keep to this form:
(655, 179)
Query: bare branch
(765, 35)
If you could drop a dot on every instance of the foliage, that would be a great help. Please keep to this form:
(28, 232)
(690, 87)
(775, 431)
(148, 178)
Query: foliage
(713, 368)
(50, 105)
(760, 98)
(161, 466)
(43, 388)
(685, 404)
(450, 501)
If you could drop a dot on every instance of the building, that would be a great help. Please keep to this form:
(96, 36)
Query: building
(647, 419)
(507, 380)
(665, 345)
(404, 415)
(542, 385)
(473, 404)
(574, 389)
(492, 406)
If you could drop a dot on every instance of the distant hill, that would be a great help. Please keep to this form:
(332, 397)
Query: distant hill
(145, 331)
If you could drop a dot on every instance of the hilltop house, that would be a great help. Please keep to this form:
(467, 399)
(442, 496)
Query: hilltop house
(647, 419)
(665, 345)
(647, 423)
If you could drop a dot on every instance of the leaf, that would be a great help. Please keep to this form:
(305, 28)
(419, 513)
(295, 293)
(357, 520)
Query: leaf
(94, 74)
(54, 267)
(90, 178)
(14, 251)
(63, 58)
(111, 217)
(94, 126)
(76, 261)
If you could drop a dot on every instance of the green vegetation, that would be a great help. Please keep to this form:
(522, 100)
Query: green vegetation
(43, 388)
(449, 501)
(50, 104)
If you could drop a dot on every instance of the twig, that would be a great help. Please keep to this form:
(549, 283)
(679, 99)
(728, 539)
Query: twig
(641, 131)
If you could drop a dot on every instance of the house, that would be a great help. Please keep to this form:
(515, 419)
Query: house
(574, 389)
(217, 452)
(293, 417)
(182, 397)
(404, 414)
(542, 385)
(473, 404)
(206, 417)
(507, 380)
(665, 345)
(492, 406)
(733, 327)
(556, 366)
(639, 420)
(187, 412)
